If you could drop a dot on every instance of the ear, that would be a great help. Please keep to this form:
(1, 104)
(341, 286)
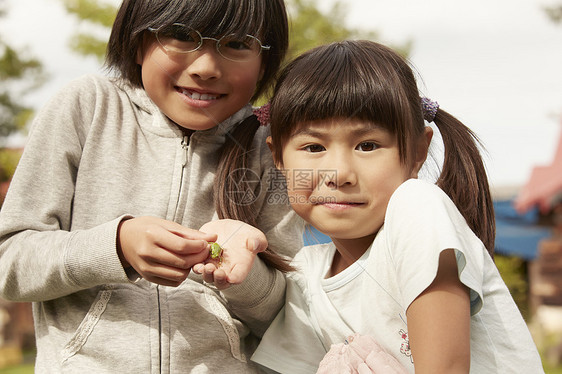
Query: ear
(278, 163)
(422, 148)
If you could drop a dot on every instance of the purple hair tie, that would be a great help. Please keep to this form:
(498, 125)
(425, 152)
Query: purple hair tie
(429, 109)
(263, 114)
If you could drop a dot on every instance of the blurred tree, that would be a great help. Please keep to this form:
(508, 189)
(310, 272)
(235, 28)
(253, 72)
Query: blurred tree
(309, 27)
(19, 75)
(94, 12)
(554, 12)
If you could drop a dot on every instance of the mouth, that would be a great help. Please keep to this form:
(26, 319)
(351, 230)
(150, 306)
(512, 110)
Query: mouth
(340, 204)
(197, 95)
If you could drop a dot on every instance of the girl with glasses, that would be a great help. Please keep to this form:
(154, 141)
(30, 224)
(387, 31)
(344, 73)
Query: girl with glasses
(410, 263)
(128, 180)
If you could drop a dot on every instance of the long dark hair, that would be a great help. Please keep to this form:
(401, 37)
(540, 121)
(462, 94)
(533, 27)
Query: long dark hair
(265, 19)
(368, 81)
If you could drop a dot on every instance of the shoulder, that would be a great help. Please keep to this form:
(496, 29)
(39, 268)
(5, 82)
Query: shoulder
(312, 259)
(75, 100)
(417, 199)
(79, 104)
(84, 92)
(418, 192)
(420, 210)
(91, 83)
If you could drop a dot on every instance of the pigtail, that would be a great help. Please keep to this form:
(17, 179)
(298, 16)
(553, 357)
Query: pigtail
(230, 177)
(464, 177)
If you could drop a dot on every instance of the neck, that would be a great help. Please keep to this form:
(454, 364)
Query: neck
(348, 251)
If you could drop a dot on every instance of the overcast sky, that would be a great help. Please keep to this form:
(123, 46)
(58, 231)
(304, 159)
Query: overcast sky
(495, 64)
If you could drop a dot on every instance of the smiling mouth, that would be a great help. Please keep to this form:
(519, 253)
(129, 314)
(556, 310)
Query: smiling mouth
(197, 95)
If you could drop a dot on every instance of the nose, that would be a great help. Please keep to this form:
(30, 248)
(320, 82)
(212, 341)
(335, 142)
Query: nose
(205, 63)
(339, 171)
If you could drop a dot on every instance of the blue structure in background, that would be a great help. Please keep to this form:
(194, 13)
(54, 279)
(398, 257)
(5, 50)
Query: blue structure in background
(313, 236)
(516, 234)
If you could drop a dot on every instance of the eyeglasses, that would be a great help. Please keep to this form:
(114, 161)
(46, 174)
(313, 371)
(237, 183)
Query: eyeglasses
(180, 38)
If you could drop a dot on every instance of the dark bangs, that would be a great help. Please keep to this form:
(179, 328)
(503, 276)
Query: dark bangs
(215, 18)
(347, 80)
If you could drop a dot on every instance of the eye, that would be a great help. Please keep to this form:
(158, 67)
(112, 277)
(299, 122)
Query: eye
(237, 44)
(314, 148)
(366, 146)
(181, 33)
(185, 36)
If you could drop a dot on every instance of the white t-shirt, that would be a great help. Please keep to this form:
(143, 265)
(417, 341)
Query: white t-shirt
(371, 296)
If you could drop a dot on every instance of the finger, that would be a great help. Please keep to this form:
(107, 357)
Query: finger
(181, 245)
(188, 233)
(256, 245)
(163, 275)
(208, 273)
(221, 282)
(198, 268)
(170, 258)
(220, 277)
(164, 282)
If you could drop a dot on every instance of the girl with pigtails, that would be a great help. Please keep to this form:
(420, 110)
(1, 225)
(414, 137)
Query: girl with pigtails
(408, 283)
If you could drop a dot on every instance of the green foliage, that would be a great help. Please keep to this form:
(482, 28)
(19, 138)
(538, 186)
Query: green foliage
(514, 273)
(13, 66)
(88, 45)
(20, 369)
(9, 159)
(310, 28)
(94, 13)
(555, 13)
(19, 75)
(92, 10)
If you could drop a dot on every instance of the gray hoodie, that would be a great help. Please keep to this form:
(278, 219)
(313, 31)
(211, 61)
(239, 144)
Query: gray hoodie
(99, 151)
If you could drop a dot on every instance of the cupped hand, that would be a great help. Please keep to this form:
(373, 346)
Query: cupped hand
(161, 251)
(240, 243)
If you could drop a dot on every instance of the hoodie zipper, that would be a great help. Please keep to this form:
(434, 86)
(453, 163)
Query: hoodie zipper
(185, 147)
(185, 144)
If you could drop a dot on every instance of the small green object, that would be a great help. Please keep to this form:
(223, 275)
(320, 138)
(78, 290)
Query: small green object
(216, 250)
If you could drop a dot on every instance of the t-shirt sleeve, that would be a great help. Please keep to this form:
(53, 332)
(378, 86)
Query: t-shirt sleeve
(421, 221)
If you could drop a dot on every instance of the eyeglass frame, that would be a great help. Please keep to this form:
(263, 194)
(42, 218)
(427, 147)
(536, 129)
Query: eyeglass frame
(203, 38)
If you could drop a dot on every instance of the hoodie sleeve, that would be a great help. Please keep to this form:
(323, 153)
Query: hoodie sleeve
(40, 257)
(257, 300)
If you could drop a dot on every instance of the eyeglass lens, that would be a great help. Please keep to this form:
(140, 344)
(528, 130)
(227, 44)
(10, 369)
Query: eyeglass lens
(182, 39)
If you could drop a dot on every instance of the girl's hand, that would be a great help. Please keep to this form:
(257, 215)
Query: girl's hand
(240, 243)
(360, 354)
(161, 251)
